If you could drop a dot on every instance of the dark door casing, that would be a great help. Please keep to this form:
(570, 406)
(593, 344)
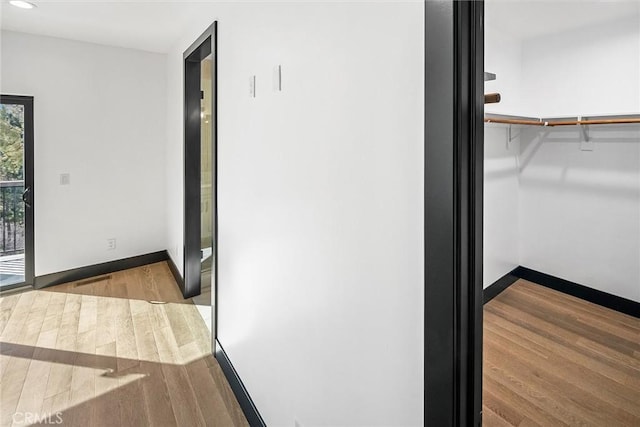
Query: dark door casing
(454, 108)
(28, 195)
(193, 56)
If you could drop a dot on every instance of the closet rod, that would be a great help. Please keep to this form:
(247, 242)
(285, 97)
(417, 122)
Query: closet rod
(513, 121)
(561, 122)
(594, 122)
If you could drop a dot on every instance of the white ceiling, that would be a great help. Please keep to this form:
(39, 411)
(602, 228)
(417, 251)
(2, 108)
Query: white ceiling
(525, 19)
(147, 25)
(157, 25)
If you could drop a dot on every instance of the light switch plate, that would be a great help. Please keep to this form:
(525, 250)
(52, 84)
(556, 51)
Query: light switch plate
(65, 179)
(252, 86)
(277, 78)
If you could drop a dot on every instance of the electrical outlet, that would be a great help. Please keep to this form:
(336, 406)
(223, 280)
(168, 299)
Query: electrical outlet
(111, 244)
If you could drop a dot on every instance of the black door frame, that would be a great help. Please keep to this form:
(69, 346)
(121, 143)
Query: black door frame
(200, 49)
(454, 145)
(28, 197)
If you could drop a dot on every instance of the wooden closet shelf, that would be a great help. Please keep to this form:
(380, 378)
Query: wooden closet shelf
(560, 122)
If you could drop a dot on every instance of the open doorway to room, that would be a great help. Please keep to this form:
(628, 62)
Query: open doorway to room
(200, 223)
(561, 328)
(16, 191)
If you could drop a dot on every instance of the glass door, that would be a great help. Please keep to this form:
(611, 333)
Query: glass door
(16, 191)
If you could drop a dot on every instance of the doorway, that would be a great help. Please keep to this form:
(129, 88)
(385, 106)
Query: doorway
(561, 215)
(200, 148)
(16, 192)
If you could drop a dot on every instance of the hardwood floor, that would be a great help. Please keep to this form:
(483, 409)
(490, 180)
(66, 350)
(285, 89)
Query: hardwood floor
(126, 350)
(552, 359)
(119, 350)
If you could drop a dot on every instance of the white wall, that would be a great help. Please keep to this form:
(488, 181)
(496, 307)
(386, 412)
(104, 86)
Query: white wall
(578, 211)
(99, 115)
(501, 213)
(587, 71)
(174, 202)
(320, 208)
(503, 56)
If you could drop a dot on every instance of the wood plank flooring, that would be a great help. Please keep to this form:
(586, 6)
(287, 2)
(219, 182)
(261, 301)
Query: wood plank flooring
(127, 350)
(119, 350)
(551, 359)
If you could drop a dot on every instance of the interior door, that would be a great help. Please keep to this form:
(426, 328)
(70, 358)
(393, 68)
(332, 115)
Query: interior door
(16, 191)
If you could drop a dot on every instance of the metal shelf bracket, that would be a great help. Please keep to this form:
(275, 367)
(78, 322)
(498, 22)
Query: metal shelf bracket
(585, 143)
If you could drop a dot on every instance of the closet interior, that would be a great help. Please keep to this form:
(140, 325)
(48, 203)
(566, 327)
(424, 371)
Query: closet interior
(561, 226)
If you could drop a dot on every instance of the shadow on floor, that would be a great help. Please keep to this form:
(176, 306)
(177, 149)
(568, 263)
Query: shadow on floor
(132, 392)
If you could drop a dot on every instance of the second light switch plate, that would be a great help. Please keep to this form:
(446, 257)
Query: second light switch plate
(252, 86)
(277, 78)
